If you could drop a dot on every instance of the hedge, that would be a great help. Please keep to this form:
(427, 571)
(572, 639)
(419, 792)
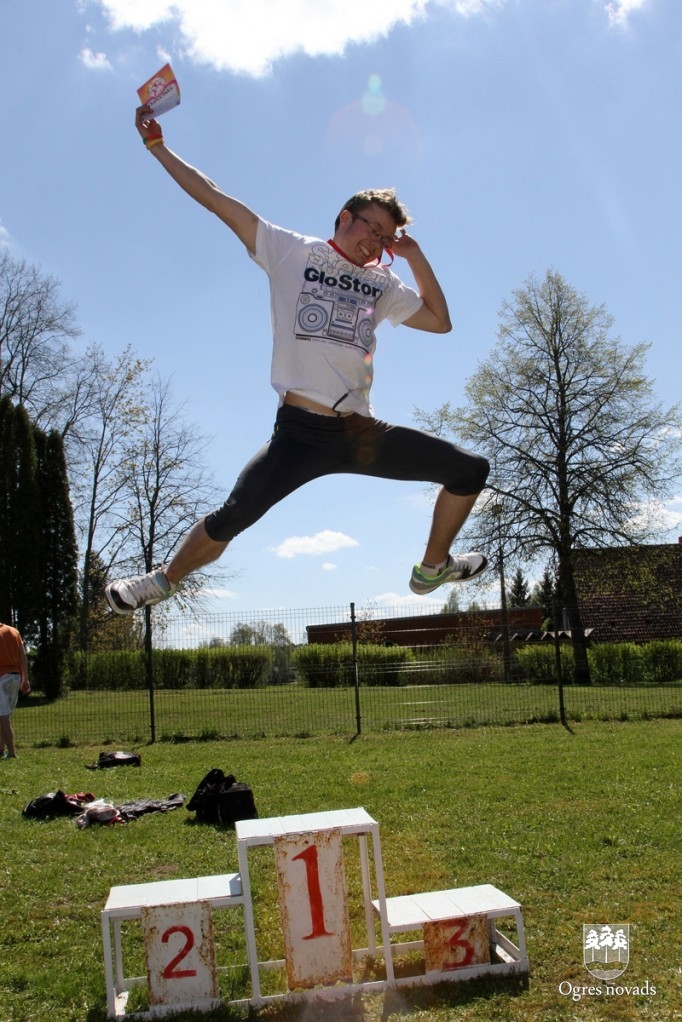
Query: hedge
(224, 667)
(330, 665)
(536, 665)
(611, 663)
(321, 665)
(626, 663)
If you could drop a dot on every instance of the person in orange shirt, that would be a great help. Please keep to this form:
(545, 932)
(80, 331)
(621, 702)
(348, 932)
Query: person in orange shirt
(13, 680)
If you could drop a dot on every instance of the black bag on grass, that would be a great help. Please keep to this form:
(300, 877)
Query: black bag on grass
(113, 759)
(222, 799)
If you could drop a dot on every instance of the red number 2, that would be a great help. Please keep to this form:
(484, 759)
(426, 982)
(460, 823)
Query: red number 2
(170, 972)
(309, 857)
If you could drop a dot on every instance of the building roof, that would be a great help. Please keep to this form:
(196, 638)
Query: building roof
(631, 593)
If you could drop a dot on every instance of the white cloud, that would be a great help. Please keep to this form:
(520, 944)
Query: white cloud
(328, 566)
(321, 543)
(619, 11)
(217, 593)
(671, 518)
(94, 61)
(422, 604)
(141, 14)
(249, 36)
(469, 7)
(656, 521)
(421, 499)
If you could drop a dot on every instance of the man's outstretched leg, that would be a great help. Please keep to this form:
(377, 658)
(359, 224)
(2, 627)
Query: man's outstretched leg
(196, 550)
(439, 565)
(280, 466)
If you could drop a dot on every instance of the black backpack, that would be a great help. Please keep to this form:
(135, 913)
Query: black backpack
(56, 803)
(222, 799)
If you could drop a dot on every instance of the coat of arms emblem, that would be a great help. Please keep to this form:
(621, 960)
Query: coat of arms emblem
(606, 949)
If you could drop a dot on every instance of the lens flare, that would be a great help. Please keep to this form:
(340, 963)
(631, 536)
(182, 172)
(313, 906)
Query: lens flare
(373, 101)
(370, 127)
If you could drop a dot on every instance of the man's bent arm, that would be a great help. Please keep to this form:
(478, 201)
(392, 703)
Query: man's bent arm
(434, 315)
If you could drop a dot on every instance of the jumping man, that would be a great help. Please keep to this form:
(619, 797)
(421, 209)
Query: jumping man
(327, 298)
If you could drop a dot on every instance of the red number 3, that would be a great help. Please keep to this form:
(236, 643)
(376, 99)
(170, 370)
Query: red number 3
(170, 972)
(454, 942)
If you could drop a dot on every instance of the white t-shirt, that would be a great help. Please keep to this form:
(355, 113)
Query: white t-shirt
(325, 310)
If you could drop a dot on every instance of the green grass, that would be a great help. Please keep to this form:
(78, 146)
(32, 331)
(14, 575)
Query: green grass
(291, 710)
(580, 828)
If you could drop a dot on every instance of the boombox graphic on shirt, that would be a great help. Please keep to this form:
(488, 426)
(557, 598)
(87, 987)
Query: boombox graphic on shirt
(338, 300)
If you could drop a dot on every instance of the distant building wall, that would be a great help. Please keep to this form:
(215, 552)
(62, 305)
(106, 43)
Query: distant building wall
(430, 629)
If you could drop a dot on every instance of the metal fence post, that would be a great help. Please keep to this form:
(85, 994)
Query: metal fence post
(149, 669)
(354, 636)
(557, 654)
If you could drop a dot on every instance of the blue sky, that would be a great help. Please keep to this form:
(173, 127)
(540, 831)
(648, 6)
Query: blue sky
(522, 134)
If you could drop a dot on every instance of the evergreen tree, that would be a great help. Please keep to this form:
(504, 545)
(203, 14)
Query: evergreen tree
(544, 595)
(519, 592)
(7, 460)
(20, 522)
(98, 628)
(59, 557)
(451, 605)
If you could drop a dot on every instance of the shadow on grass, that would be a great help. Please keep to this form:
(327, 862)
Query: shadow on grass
(356, 1007)
(97, 1014)
(448, 995)
(404, 1001)
(34, 701)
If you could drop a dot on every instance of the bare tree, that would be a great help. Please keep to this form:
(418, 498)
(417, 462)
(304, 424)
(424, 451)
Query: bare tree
(110, 410)
(581, 453)
(166, 485)
(37, 366)
(168, 489)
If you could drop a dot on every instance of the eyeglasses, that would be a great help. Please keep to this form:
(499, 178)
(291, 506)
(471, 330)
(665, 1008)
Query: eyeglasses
(384, 239)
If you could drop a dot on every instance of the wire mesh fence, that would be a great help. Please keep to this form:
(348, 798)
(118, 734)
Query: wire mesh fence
(335, 671)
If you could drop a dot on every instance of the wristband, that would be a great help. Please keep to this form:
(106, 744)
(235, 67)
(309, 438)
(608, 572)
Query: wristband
(149, 142)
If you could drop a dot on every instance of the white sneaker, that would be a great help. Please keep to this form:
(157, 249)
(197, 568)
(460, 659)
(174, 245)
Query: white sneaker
(129, 594)
(464, 566)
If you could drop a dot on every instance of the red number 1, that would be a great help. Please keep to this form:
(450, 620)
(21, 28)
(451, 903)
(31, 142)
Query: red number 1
(309, 857)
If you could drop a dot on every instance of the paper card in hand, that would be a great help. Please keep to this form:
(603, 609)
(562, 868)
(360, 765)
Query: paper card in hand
(161, 92)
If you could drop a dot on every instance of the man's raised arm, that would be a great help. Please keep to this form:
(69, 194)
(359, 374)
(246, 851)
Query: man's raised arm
(238, 217)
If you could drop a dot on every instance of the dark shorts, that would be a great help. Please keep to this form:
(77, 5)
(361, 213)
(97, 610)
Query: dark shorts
(305, 446)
